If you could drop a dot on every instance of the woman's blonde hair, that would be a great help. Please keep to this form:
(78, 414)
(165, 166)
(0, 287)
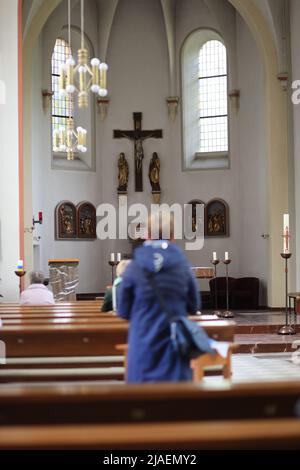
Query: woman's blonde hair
(122, 266)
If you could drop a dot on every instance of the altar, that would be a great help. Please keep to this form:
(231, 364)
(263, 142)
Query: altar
(64, 278)
(203, 272)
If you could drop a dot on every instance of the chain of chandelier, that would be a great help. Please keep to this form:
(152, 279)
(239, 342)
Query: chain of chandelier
(81, 79)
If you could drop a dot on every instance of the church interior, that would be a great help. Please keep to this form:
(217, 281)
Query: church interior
(109, 105)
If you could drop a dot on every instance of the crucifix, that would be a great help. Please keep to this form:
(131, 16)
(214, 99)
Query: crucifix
(138, 136)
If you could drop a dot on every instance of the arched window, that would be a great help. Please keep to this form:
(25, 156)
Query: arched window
(205, 101)
(62, 107)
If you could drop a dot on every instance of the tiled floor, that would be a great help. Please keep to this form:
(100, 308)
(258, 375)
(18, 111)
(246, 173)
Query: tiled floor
(257, 332)
(262, 367)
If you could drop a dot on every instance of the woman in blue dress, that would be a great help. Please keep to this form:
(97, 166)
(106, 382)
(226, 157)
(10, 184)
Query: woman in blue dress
(151, 356)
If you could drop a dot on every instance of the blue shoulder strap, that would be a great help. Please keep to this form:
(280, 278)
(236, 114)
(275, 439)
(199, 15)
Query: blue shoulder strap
(161, 300)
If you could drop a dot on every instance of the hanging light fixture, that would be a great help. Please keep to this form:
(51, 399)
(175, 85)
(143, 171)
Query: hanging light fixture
(68, 140)
(88, 77)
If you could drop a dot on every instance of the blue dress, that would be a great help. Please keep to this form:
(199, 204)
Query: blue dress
(151, 357)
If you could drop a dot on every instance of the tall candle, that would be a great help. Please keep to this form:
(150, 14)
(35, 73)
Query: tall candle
(226, 256)
(20, 265)
(112, 257)
(215, 256)
(118, 257)
(286, 233)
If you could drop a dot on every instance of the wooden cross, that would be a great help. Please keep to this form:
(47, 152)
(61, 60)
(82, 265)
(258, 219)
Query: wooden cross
(138, 136)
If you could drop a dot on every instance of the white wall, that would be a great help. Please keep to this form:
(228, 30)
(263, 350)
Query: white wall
(51, 186)
(251, 188)
(138, 81)
(295, 21)
(9, 173)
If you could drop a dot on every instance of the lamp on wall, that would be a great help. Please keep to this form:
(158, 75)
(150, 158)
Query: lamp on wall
(88, 77)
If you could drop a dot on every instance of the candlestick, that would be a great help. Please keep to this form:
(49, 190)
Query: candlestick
(286, 329)
(20, 273)
(215, 262)
(228, 313)
(113, 265)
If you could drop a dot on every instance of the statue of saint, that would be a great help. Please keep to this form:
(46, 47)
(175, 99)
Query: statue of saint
(154, 171)
(123, 173)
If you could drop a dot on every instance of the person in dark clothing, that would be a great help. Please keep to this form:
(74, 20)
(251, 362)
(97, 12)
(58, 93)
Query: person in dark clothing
(107, 305)
(151, 357)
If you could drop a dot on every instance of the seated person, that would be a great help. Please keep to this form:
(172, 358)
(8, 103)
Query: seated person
(119, 272)
(107, 305)
(110, 296)
(36, 293)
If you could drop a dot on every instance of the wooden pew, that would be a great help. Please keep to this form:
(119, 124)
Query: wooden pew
(65, 330)
(77, 318)
(78, 351)
(88, 339)
(156, 403)
(280, 434)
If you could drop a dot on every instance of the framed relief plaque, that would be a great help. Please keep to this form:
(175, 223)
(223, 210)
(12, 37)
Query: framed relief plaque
(86, 221)
(217, 218)
(65, 221)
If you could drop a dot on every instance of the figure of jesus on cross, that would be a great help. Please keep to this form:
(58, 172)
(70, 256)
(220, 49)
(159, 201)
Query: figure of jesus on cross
(138, 136)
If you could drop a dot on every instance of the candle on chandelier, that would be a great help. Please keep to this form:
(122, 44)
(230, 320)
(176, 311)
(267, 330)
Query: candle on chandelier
(286, 233)
(103, 79)
(95, 75)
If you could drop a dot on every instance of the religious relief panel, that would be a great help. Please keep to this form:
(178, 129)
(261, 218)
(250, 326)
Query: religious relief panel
(86, 220)
(217, 219)
(65, 221)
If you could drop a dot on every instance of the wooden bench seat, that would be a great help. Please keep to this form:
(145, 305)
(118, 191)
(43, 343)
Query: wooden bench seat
(71, 361)
(96, 403)
(78, 318)
(72, 374)
(83, 340)
(248, 434)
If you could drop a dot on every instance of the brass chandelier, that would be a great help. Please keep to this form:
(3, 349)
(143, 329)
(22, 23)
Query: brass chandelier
(66, 139)
(84, 76)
